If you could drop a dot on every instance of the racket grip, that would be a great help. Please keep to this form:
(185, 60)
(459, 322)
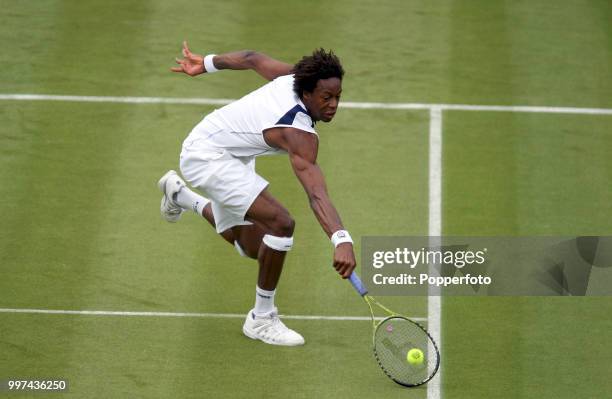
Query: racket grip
(357, 284)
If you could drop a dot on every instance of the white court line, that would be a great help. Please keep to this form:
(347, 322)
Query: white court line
(111, 99)
(345, 104)
(434, 305)
(183, 314)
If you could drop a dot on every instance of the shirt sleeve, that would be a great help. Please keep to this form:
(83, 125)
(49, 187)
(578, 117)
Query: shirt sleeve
(298, 118)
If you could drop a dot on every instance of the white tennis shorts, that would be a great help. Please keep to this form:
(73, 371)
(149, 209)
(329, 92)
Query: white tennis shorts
(230, 182)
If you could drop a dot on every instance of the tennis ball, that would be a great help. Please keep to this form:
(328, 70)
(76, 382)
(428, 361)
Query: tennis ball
(415, 356)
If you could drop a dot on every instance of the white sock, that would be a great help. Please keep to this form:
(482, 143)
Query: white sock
(188, 199)
(264, 301)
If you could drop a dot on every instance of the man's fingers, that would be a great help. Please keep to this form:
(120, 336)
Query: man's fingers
(186, 50)
(344, 268)
(182, 63)
(346, 272)
(344, 261)
(178, 69)
(340, 267)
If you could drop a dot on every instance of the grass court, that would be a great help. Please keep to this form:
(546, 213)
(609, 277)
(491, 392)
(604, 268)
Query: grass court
(81, 229)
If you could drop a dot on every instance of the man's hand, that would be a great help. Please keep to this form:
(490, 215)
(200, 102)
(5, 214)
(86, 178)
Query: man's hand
(192, 64)
(344, 259)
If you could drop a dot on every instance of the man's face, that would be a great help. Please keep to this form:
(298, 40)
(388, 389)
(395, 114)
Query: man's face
(322, 103)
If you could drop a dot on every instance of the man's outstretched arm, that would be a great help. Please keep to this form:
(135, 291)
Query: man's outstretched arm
(193, 64)
(302, 148)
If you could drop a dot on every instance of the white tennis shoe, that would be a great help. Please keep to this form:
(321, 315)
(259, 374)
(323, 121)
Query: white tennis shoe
(170, 184)
(270, 329)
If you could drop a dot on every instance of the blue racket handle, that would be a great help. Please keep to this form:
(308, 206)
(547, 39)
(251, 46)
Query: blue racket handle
(357, 284)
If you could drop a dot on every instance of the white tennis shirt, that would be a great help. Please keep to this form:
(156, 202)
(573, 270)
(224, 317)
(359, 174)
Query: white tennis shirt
(238, 127)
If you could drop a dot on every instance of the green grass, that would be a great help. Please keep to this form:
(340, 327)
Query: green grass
(79, 207)
(520, 175)
(193, 358)
(527, 174)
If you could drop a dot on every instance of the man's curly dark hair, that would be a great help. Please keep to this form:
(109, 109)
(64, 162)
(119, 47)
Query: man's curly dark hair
(310, 69)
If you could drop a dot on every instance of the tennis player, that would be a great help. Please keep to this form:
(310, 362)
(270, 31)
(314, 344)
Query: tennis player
(218, 159)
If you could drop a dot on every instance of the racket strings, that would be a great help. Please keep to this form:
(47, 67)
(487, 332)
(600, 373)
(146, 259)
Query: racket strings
(393, 339)
(396, 335)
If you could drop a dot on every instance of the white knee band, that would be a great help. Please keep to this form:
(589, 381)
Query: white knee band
(239, 249)
(278, 243)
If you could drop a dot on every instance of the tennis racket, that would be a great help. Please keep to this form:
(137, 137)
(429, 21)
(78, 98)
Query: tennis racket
(395, 336)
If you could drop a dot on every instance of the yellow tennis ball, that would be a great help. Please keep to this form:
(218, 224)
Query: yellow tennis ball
(415, 356)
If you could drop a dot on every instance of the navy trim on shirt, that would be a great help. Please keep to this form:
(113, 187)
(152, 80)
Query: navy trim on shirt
(289, 117)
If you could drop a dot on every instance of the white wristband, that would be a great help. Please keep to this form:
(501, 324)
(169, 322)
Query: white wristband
(340, 237)
(209, 66)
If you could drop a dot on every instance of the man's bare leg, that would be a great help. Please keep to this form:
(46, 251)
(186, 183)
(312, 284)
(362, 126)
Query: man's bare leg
(207, 213)
(271, 219)
(249, 237)
(268, 217)
(267, 239)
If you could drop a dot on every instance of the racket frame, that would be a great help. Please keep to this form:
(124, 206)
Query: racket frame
(370, 300)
